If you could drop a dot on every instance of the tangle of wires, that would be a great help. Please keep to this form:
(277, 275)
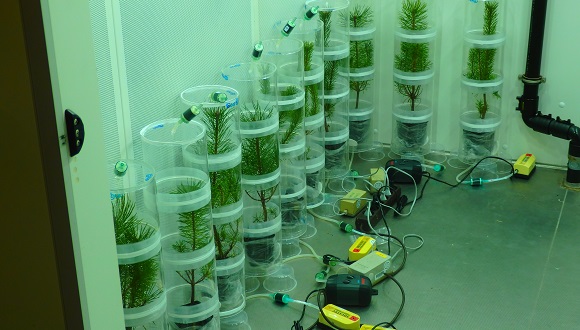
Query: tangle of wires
(463, 178)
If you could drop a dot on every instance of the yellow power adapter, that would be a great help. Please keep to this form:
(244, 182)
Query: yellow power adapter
(372, 327)
(361, 247)
(340, 318)
(374, 266)
(377, 179)
(353, 202)
(525, 166)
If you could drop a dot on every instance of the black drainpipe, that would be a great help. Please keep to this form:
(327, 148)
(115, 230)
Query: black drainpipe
(529, 101)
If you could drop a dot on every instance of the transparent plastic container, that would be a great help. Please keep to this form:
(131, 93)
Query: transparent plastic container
(310, 32)
(315, 158)
(231, 281)
(192, 297)
(475, 21)
(293, 196)
(363, 125)
(336, 84)
(482, 80)
(412, 117)
(262, 226)
(132, 192)
(237, 321)
(183, 189)
(288, 56)
(220, 116)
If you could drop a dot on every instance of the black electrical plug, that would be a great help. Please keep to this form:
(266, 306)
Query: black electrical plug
(401, 205)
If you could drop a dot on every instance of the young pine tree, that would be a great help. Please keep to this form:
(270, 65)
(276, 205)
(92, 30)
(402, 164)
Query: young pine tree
(480, 61)
(413, 57)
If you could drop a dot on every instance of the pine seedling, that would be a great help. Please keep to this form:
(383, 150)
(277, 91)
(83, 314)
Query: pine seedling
(195, 233)
(362, 51)
(260, 155)
(226, 237)
(413, 57)
(480, 61)
(139, 281)
(311, 106)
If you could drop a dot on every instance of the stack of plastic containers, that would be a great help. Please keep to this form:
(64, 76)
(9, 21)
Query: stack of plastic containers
(363, 128)
(482, 79)
(413, 79)
(287, 54)
(178, 152)
(257, 88)
(219, 114)
(132, 190)
(336, 84)
(310, 31)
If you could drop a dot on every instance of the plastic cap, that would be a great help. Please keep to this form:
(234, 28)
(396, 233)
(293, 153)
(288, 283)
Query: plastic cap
(346, 227)
(438, 167)
(120, 168)
(219, 97)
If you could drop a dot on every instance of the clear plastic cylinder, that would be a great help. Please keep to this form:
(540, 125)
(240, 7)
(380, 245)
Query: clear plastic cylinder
(336, 84)
(363, 126)
(179, 152)
(136, 222)
(293, 199)
(287, 54)
(219, 114)
(311, 34)
(413, 78)
(412, 117)
(482, 80)
(257, 85)
(192, 296)
(475, 15)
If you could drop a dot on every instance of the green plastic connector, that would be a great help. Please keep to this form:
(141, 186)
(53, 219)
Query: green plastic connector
(311, 13)
(120, 168)
(287, 29)
(346, 227)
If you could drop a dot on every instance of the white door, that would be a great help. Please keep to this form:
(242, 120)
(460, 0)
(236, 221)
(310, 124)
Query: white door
(67, 27)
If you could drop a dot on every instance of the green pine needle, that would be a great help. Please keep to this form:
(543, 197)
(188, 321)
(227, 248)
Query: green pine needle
(128, 227)
(360, 16)
(226, 238)
(325, 17)
(413, 57)
(308, 52)
(291, 123)
(140, 284)
(481, 61)
(225, 187)
(139, 281)
(260, 155)
(219, 131)
(194, 226)
(413, 15)
(311, 101)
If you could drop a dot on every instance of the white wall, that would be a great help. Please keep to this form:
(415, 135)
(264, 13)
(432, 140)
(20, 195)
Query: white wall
(223, 31)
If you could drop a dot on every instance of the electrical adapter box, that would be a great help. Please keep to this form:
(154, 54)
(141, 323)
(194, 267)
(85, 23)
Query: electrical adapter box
(374, 266)
(525, 166)
(353, 202)
(377, 179)
(409, 166)
(340, 318)
(361, 247)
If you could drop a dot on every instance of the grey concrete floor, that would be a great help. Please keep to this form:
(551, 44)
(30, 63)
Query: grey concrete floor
(501, 256)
